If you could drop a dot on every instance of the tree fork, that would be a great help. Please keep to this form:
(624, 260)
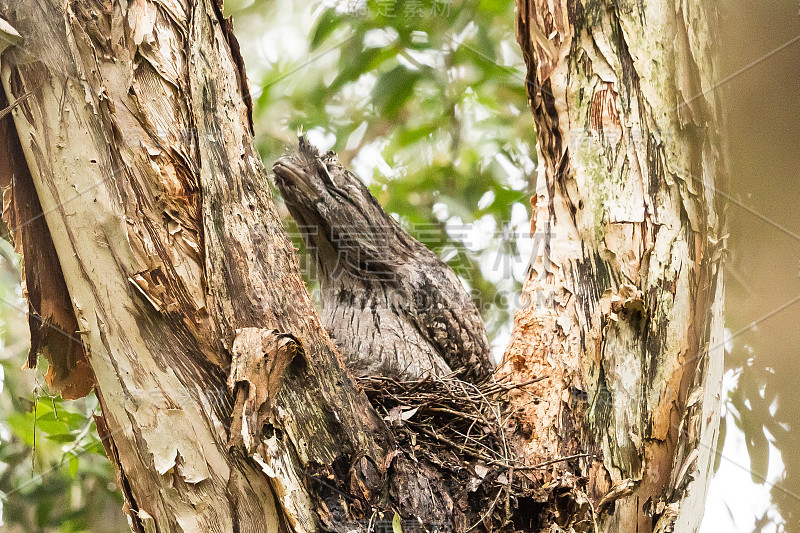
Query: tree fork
(135, 128)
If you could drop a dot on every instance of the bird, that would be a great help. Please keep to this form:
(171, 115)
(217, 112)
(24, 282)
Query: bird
(393, 308)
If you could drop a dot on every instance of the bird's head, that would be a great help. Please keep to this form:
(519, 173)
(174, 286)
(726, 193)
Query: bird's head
(341, 222)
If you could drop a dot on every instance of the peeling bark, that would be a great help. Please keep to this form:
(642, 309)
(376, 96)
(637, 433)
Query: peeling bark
(115, 174)
(53, 325)
(624, 301)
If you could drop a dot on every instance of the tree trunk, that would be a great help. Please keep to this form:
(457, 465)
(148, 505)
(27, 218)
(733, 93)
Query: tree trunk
(164, 265)
(625, 297)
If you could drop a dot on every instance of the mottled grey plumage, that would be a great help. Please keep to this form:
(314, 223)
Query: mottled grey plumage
(393, 308)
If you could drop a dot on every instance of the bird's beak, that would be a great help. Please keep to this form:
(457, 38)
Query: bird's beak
(289, 171)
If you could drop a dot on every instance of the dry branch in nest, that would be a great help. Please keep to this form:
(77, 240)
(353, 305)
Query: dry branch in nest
(463, 430)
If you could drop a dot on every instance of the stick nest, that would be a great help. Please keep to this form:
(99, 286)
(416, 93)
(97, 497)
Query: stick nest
(463, 429)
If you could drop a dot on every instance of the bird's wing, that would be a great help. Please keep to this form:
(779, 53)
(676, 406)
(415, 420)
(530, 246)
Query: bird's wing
(440, 307)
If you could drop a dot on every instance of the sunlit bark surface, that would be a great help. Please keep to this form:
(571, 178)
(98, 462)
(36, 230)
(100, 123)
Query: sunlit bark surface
(624, 299)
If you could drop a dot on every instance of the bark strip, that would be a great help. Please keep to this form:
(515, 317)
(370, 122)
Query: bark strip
(53, 326)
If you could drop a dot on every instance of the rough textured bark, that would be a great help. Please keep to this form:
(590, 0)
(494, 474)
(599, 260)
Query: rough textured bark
(625, 299)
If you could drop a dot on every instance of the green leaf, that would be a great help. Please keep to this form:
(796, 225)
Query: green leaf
(21, 426)
(723, 432)
(397, 526)
(393, 90)
(49, 424)
(411, 135)
(326, 24)
(73, 420)
(62, 438)
(485, 44)
(45, 405)
(96, 447)
(74, 462)
(61, 422)
(356, 61)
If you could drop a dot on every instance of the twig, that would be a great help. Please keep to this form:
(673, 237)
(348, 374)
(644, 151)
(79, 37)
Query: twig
(487, 513)
(479, 443)
(467, 451)
(554, 461)
(497, 387)
(508, 495)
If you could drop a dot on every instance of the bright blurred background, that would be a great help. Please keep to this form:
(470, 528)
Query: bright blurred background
(425, 101)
